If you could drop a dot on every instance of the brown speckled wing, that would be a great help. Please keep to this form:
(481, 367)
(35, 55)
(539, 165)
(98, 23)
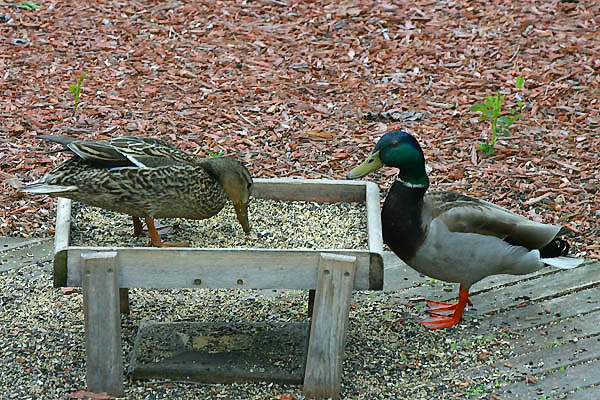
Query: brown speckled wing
(128, 151)
(183, 191)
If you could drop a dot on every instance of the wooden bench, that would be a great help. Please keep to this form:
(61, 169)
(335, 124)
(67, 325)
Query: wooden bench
(330, 275)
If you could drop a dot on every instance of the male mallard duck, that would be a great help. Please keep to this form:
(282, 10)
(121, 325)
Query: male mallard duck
(146, 177)
(453, 237)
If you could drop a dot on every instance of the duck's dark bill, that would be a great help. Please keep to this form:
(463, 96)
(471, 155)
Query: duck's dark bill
(241, 212)
(372, 163)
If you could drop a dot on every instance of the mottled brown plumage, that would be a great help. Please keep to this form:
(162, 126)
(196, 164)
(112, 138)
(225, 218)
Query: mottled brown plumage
(147, 178)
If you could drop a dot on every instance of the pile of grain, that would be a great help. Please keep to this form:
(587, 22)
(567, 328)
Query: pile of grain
(274, 224)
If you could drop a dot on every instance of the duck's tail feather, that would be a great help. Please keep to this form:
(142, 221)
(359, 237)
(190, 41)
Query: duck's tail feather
(563, 262)
(42, 188)
(556, 248)
(64, 140)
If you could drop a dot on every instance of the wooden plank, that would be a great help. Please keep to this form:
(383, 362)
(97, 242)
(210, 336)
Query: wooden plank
(586, 393)
(102, 323)
(580, 326)
(318, 190)
(13, 243)
(223, 268)
(29, 253)
(541, 288)
(61, 240)
(545, 312)
(220, 352)
(555, 355)
(322, 377)
(374, 218)
(550, 358)
(418, 285)
(555, 383)
(63, 224)
(402, 277)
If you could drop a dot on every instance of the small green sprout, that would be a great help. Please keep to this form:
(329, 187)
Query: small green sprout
(475, 391)
(491, 111)
(28, 5)
(76, 90)
(216, 154)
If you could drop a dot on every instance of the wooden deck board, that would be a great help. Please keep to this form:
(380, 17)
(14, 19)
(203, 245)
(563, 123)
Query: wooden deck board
(585, 393)
(570, 379)
(544, 312)
(548, 358)
(554, 318)
(406, 277)
(531, 288)
(544, 287)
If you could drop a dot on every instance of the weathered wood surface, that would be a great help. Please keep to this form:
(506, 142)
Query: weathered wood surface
(555, 313)
(67, 259)
(102, 323)
(26, 252)
(63, 223)
(333, 295)
(587, 393)
(221, 268)
(374, 218)
(318, 190)
(249, 351)
(61, 239)
(562, 381)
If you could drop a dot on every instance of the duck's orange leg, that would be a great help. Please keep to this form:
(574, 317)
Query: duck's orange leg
(454, 313)
(155, 237)
(138, 229)
(444, 308)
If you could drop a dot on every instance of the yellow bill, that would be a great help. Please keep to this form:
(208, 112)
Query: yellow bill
(372, 163)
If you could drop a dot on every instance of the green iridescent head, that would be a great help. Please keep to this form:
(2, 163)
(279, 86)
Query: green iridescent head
(396, 149)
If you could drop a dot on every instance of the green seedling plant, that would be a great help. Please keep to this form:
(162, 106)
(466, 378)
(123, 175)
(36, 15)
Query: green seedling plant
(500, 120)
(28, 5)
(76, 90)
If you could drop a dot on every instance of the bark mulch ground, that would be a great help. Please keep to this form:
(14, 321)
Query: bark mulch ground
(302, 89)
(286, 86)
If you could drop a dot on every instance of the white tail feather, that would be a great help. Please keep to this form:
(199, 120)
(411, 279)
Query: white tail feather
(42, 188)
(563, 262)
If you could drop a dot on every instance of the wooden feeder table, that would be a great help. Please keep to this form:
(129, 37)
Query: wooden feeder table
(105, 274)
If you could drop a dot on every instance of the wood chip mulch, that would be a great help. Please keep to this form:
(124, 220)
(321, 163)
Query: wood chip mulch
(286, 86)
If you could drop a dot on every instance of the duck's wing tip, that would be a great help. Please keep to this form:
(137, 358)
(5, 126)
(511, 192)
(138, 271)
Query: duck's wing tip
(42, 188)
(563, 262)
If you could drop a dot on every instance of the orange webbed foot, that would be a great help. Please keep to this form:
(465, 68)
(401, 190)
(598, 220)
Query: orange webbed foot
(155, 239)
(447, 314)
(440, 321)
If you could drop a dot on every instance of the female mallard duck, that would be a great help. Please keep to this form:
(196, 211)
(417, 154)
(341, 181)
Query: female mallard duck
(146, 178)
(453, 237)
